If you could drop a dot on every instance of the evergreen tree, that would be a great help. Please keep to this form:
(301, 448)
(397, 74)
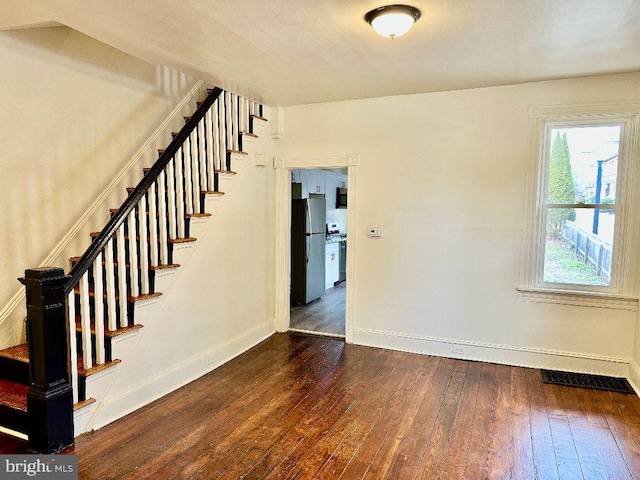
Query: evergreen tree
(560, 189)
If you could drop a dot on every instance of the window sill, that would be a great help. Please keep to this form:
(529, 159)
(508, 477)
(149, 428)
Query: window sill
(582, 299)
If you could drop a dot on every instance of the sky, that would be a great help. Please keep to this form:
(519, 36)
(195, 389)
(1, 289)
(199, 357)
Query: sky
(587, 145)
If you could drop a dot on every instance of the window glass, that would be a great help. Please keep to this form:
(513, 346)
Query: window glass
(580, 204)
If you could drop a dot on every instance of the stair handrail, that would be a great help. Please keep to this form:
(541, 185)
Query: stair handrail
(100, 242)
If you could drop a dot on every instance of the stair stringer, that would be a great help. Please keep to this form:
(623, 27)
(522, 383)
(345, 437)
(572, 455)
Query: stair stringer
(215, 306)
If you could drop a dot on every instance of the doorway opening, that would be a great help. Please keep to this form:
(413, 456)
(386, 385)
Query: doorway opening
(318, 251)
(284, 167)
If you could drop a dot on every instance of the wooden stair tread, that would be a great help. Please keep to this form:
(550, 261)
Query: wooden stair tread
(212, 192)
(13, 395)
(226, 172)
(95, 369)
(165, 267)
(18, 352)
(83, 403)
(182, 240)
(107, 333)
(145, 296)
(249, 134)
(258, 117)
(198, 215)
(238, 152)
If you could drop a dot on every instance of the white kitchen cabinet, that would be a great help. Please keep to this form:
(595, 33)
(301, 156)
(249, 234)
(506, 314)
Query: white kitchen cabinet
(331, 183)
(342, 181)
(312, 181)
(332, 264)
(317, 181)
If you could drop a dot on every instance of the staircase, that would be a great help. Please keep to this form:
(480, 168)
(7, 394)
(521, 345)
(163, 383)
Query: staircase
(44, 380)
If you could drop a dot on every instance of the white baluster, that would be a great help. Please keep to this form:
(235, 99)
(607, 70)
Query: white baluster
(143, 220)
(217, 140)
(133, 254)
(110, 282)
(222, 119)
(122, 277)
(235, 117)
(180, 193)
(98, 300)
(171, 196)
(73, 347)
(245, 114)
(209, 132)
(153, 226)
(162, 221)
(188, 186)
(85, 321)
(229, 122)
(241, 124)
(195, 172)
(202, 159)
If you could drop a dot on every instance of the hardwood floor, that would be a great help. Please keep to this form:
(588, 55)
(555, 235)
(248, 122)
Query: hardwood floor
(306, 407)
(325, 315)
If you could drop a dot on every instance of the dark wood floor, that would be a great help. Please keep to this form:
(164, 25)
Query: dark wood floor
(325, 315)
(308, 407)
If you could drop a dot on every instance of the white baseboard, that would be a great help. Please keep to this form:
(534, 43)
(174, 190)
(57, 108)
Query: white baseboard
(496, 353)
(634, 376)
(136, 396)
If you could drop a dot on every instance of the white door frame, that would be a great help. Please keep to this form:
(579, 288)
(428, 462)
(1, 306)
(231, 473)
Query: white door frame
(283, 167)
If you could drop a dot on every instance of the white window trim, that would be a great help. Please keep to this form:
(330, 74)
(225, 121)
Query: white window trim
(623, 292)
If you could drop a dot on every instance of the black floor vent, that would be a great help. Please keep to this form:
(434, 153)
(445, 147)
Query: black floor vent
(585, 380)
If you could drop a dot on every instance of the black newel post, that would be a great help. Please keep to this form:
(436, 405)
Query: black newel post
(50, 396)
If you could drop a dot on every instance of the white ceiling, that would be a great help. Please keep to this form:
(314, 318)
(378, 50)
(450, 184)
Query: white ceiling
(287, 52)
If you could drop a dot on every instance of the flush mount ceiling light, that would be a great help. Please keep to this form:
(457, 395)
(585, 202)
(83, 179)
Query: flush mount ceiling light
(393, 20)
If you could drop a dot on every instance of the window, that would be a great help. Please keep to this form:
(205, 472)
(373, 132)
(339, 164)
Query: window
(580, 233)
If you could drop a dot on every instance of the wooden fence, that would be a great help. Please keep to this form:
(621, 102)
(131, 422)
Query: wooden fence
(589, 248)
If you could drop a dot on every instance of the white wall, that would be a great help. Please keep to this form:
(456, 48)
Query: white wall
(444, 174)
(74, 111)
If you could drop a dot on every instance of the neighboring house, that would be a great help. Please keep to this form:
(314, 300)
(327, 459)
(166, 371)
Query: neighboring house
(444, 173)
(609, 176)
(609, 179)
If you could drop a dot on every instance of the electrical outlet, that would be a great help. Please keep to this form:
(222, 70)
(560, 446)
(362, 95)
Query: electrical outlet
(211, 359)
(457, 350)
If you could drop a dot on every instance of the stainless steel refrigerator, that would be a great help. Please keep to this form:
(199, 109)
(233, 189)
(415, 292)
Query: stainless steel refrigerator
(308, 240)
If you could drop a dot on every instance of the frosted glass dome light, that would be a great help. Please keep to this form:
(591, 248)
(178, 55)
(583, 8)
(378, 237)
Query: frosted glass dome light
(393, 20)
